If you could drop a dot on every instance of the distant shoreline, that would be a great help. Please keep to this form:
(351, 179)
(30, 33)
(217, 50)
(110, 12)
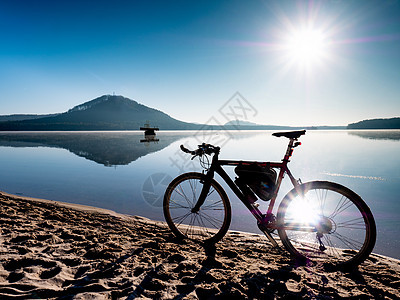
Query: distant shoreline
(217, 128)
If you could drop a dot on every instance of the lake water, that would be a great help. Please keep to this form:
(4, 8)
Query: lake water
(123, 172)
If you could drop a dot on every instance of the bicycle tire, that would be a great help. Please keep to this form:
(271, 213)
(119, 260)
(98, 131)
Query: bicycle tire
(342, 220)
(210, 223)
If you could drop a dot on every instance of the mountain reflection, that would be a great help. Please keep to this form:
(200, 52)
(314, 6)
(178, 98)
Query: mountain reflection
(377, 134)
(106, 148)
(111, 148)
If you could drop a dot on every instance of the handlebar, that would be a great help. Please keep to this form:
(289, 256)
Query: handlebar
(187, 150)
(202, 149)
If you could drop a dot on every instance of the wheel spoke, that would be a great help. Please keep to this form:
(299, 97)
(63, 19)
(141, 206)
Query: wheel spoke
(344, 204)
(193, 188)
(210, 192)
(322, 203)
(349, 242)
(212, 220)
(212, 205)
(177, 205)
(180, 219)
(331, 247)
(181, 192)
(203, 225)
(357, 223)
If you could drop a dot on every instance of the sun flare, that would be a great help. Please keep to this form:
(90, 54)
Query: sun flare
(303, 211)
(306, 46)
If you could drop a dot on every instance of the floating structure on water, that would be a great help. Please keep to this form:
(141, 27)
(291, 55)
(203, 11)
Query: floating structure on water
(149, 133)
(149, 130)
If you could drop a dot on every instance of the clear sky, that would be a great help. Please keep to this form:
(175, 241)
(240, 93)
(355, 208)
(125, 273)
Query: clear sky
(327, 62)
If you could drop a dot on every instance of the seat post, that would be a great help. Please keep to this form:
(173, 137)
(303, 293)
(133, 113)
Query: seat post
(289, 150)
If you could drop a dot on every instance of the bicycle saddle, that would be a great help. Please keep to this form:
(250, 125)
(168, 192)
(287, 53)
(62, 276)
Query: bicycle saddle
(290, 134)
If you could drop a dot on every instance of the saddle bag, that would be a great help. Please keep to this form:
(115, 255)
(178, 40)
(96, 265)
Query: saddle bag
(260, 179)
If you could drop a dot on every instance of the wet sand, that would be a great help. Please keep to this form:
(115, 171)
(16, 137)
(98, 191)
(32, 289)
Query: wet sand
(52, 250)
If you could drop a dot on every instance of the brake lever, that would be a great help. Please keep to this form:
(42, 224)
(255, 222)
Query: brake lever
(198, 153)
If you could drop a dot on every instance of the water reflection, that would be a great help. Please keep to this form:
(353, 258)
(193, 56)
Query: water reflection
(106, 148)
(149, 138)
(377, 134)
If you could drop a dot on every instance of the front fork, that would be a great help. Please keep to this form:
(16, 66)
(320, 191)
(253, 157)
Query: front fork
(204, 191)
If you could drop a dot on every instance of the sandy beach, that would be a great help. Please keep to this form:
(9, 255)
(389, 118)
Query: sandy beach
(52, 250)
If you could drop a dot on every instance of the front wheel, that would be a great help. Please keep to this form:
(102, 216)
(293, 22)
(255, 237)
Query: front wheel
(328, 223)
(210, 223)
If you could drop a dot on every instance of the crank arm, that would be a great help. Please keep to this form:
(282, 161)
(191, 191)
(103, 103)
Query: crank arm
(271, 239)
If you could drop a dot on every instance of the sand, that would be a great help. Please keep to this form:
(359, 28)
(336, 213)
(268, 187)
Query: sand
(51, 250)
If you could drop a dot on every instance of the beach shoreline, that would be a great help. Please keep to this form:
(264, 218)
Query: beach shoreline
(52, 250)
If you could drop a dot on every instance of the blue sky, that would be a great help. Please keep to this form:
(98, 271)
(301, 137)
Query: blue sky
(187, 58)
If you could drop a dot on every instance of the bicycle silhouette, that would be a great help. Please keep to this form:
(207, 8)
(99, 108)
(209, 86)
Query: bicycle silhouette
(320, 221)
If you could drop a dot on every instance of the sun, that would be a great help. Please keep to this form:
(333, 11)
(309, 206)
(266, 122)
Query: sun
(306, 47)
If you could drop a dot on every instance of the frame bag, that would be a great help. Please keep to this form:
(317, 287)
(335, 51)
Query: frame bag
(260, 179)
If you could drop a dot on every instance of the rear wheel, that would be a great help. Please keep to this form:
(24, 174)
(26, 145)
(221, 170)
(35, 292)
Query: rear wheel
(328, 223)
(210, 223)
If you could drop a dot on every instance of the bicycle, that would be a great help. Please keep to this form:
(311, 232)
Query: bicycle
(319, 221)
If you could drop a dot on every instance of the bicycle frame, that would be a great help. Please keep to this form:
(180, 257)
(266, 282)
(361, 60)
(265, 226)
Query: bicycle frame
(216, 167)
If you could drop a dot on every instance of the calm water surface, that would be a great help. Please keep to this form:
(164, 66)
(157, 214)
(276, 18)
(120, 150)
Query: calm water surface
(121, 172)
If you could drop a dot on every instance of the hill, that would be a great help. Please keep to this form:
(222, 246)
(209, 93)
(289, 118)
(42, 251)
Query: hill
(104, 113)
(393, 123)
(21, 117)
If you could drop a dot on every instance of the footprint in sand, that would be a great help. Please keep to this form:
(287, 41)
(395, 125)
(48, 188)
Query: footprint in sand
(50, 273)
